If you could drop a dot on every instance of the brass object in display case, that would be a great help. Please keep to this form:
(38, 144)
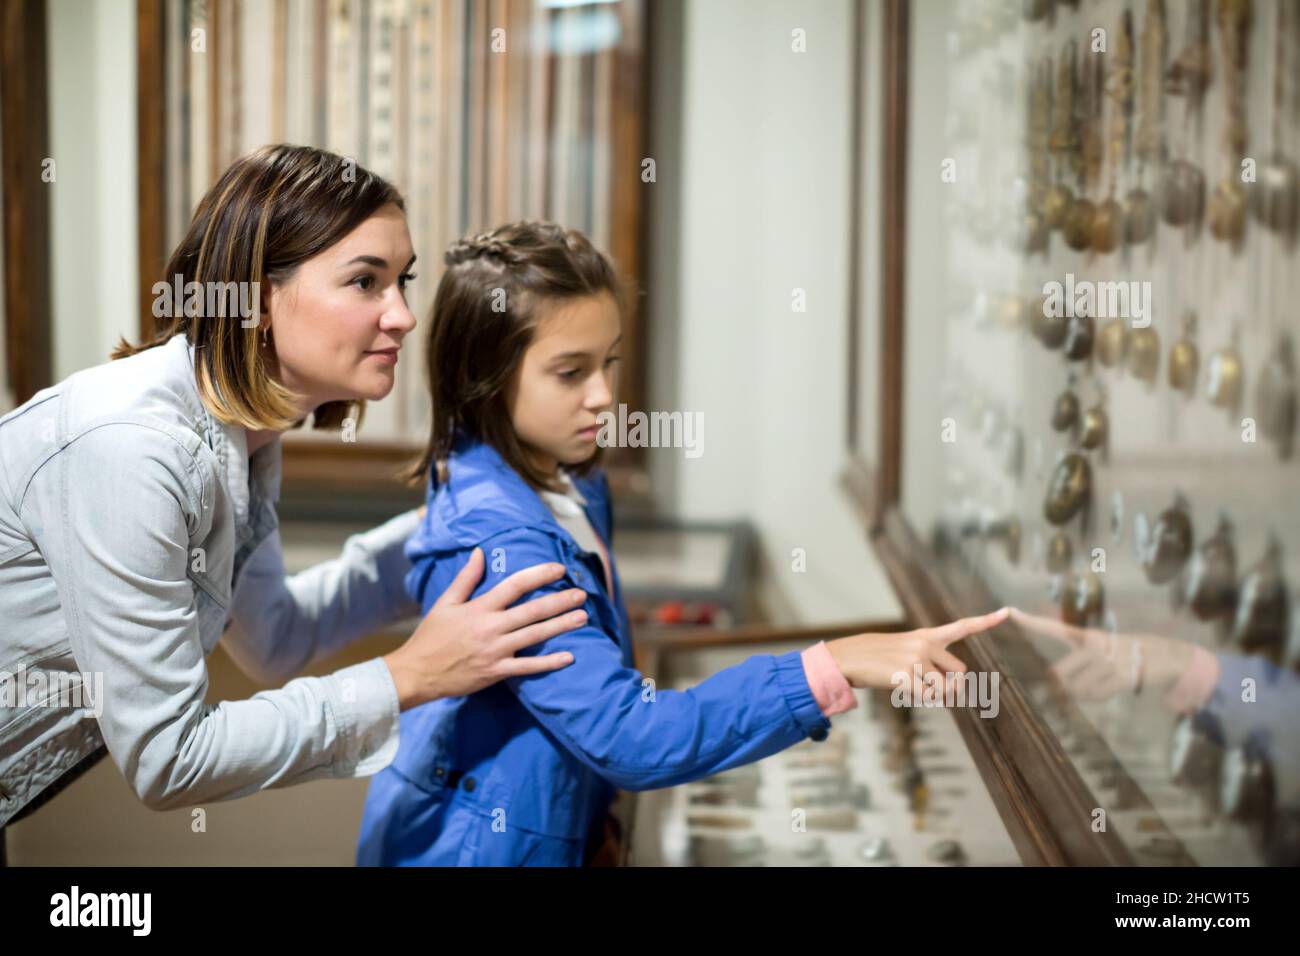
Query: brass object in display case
(1056, 201)
(1139, 216)
(1078, 224)
(1189, 74)
(1261, 621)
(1169, 545)
(1246, 785)
(1078, 337)
(1034, 10)
(1082, 601)
(1184, 360)
(1223, 387)
(1059, 552)
(1108, 225)
(1275, 194)
(1182, 193)
(1228, 210)
(1068, 489)
(1195, 760)
(1112, 343)
(1275, 396)
(1095, 427)
(1143, 353)
(1049, 329)
(1212, 576)
(1065, 413)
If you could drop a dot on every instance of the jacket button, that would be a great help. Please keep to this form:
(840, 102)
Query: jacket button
(440, 773)
(818, 733)
(469, 784)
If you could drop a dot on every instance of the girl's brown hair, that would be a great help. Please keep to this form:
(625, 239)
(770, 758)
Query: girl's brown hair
(270, 211)
(485, 310)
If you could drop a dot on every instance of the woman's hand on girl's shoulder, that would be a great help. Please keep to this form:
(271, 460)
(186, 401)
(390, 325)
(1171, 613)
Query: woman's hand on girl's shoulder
(874, 660)
(464, 645)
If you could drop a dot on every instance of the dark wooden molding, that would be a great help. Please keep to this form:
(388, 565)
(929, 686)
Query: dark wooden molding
(151, 146)
(24, 115)
(894, 275)
(872, 478)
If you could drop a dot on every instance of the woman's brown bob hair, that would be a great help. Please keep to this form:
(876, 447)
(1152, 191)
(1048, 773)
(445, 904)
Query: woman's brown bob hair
(270, 211)
(487, 305)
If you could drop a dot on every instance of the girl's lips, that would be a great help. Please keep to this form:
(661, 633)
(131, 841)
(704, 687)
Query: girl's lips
(591, 432)
(386, 355)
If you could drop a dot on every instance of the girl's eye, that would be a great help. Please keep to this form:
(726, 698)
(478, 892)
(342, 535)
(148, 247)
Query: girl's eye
(569, 374)
(364, 282)
(611, 360)
(404, 278)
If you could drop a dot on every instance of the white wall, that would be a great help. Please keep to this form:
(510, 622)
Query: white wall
(752, 145)
(93, 222)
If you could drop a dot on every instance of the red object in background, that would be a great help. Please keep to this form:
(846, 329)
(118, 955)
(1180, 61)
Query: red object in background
(670, 612)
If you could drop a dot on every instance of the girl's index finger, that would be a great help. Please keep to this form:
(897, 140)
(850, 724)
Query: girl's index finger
(1050, 627)
(947, 633)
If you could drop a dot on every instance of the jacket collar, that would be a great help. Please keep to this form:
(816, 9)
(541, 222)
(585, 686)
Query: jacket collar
(484, 496)
(230, 444)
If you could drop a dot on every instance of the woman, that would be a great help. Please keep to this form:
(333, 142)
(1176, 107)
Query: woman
(138, 524)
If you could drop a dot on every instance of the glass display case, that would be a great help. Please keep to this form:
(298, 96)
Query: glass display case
(890, 787)
(1089, 383)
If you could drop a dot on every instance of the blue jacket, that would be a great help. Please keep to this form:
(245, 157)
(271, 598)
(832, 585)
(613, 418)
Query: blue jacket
(520, 772)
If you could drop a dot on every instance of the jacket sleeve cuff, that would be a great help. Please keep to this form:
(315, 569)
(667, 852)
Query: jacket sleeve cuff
(1195, 684)
(831, 691)
(793, 683)
(363, 699)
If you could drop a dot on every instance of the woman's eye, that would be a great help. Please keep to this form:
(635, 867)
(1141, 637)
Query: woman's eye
(363, 282)
(569, 374)
(611, 360)
(404, 278)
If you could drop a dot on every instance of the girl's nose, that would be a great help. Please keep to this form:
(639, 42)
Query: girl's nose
(600, 395)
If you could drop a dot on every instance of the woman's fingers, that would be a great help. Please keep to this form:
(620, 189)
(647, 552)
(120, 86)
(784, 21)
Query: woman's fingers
(463, 585)
(520, 583)
(516, 641)
(521, 666)
(965, 627)
(540, 608)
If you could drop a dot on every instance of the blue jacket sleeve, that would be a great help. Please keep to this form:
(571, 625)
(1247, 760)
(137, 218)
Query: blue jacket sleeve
(637, 736)
(1267, 717)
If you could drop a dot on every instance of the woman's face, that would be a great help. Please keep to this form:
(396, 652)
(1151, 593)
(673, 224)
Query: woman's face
(338, 322)
(565, 380)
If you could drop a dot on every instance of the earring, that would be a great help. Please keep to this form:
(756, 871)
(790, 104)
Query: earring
(265, 330)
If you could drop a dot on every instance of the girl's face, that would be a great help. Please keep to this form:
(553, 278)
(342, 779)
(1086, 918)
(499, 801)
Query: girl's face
(565, 380)
(337, 324)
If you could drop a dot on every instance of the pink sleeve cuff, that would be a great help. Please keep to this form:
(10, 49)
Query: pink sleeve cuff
(1195, 684)
(831, 690)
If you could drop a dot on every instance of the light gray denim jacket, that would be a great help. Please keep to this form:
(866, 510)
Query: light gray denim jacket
(130, 537)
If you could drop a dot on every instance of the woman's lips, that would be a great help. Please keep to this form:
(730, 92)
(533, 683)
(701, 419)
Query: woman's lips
(385, 355)
(589, 433)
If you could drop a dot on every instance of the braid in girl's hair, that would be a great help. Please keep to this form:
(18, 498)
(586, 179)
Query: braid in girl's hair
(484, 245)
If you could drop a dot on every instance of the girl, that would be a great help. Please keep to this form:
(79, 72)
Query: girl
(522, 344)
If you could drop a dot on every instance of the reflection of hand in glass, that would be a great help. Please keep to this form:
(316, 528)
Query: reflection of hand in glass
(1101, 664)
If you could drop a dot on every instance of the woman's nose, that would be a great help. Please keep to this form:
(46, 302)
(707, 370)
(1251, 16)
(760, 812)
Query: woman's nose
(397, 317)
